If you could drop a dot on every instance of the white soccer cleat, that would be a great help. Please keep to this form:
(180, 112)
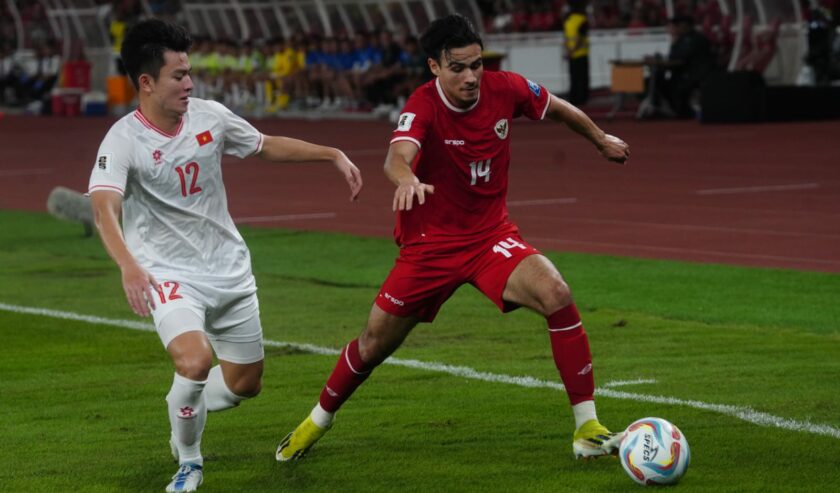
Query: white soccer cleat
(188, 478)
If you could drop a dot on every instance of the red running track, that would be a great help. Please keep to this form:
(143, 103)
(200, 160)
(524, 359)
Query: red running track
(760, 195)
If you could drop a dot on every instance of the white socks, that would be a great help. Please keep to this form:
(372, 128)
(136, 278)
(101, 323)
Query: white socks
(187, 415)
(583, 412)
(321, 417)
(217, 395)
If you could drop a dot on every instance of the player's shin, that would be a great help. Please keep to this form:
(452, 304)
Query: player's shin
(570, 347)
(217, 395)
(349, 373)
(187, 415)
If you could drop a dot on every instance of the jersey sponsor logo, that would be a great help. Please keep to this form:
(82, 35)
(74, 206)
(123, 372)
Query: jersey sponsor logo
(501, 128)
(453, 142)
(394, 300)
(157, 156)
(405, 122)
(535, 88)
(103, 163)
(204, 138)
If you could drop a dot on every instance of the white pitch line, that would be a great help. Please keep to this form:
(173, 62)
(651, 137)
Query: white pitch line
(285, 217)
(25, 171)
(568, 200)
(744, 413)
(759, 189)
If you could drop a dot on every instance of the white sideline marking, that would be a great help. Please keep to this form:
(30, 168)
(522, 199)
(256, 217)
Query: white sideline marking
(741, 412)
(568, 200)
(768, 188)
(285, 217)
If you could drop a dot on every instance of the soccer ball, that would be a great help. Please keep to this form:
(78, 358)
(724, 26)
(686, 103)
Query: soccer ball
(654, 451)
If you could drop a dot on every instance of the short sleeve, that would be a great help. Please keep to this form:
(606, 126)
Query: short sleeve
(241, 138)
(530, 98)
(110, 170)
(413, 123)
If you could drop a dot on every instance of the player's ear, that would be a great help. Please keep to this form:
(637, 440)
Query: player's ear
(146, 82)
(434, 66)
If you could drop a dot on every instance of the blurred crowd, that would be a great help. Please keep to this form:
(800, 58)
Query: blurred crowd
(376, 71)
(370, 72)
(501, 16)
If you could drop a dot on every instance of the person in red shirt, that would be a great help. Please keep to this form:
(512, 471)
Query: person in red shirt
(449, 158)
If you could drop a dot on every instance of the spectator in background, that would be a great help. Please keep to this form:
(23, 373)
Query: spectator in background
(576, 30)
(7, 66)
(379, 86)
(367, 56)
(820, 31)
(690, 62)
(415, 69)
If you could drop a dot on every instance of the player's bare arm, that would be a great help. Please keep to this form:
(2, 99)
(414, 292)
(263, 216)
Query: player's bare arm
(137, 283)
(610, 146)
(285, 149)
(398, 170)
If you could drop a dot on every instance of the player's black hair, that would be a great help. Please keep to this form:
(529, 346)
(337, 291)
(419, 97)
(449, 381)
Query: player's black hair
(446, 33)
(145, 43)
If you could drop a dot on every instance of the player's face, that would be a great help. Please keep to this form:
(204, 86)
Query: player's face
(459, 73)
(171, 90)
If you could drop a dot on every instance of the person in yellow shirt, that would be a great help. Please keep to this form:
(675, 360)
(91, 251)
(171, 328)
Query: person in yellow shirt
(576, 30)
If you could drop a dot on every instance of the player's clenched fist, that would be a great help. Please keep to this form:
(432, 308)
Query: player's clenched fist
(614, 149)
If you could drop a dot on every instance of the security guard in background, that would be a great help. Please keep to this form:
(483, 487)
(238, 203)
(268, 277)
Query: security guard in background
(576, 30)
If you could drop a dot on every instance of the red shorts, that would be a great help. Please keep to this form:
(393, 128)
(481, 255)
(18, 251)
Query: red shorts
(426, 275)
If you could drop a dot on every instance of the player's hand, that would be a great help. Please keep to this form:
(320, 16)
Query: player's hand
(404, 196)
(351, 174)
(614, 149)
(138, 286)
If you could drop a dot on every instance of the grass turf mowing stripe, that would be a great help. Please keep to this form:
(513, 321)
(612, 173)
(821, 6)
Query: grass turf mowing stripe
(744, 413)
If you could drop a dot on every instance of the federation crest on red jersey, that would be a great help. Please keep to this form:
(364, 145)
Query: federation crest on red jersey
(501, 128)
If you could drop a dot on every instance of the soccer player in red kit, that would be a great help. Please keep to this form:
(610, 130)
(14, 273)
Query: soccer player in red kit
(451, 152)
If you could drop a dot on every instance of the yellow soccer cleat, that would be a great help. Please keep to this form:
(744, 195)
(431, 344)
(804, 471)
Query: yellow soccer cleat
(593, 439)
(296, 443)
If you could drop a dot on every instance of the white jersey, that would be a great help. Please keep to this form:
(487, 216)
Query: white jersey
(175, 215)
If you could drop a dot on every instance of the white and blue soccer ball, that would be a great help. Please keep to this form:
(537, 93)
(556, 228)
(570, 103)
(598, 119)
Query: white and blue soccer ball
(654, 452)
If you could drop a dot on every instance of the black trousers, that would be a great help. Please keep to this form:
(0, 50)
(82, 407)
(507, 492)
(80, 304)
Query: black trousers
(579, 78)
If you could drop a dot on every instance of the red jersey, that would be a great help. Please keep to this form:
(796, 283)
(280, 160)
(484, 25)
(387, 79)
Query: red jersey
(465, 154)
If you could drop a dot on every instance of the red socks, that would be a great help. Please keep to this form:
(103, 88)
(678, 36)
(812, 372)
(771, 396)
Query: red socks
(570, 347)
(349, 373)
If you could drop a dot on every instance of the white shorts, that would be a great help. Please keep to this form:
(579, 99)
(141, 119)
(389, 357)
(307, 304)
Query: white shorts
(229, 317)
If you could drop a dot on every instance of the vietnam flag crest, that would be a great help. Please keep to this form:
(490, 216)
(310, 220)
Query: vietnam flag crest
(204, 138)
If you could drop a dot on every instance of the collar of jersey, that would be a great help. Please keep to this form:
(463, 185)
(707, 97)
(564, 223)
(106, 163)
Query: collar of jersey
(151, 126)
(450, 105)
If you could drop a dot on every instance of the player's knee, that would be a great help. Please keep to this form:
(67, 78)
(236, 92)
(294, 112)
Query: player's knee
(558, 296)
(194, 366)
(247, 387)
(372, 349)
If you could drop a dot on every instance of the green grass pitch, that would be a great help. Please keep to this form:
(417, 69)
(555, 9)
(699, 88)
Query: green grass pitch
(83, 408)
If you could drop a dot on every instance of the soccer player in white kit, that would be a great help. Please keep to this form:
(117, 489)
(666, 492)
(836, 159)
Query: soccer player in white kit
(181, 257)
